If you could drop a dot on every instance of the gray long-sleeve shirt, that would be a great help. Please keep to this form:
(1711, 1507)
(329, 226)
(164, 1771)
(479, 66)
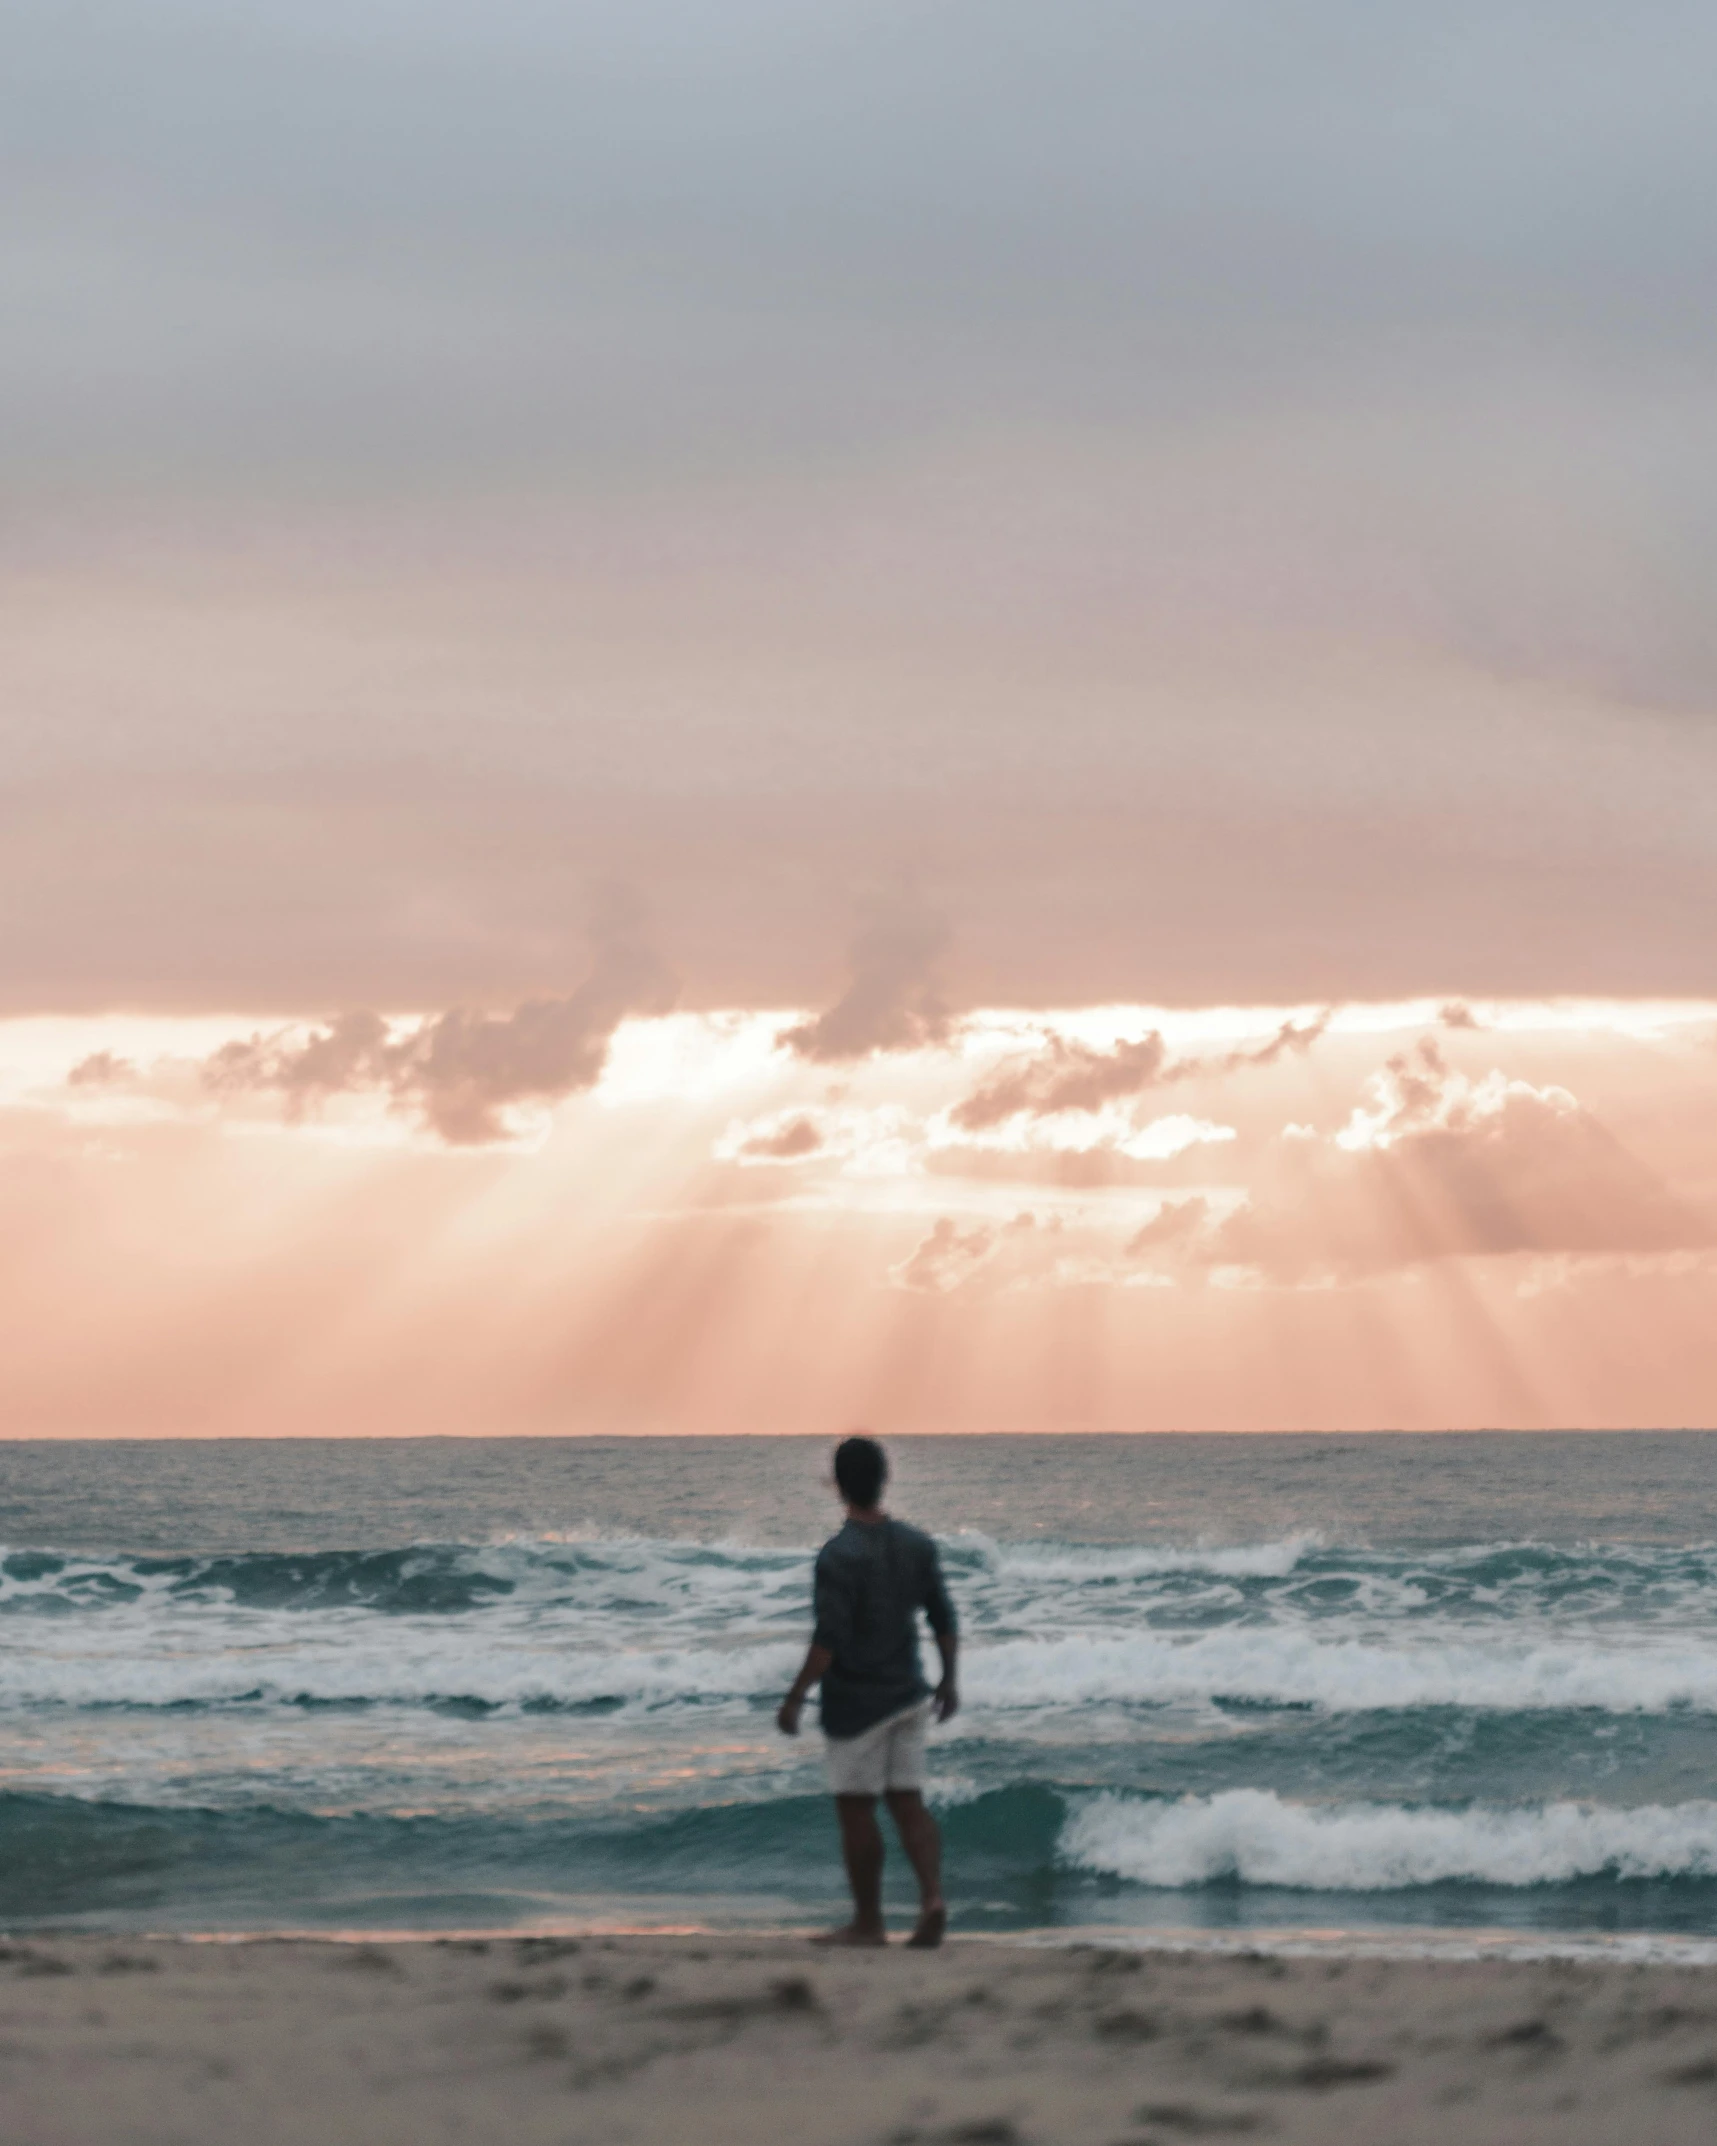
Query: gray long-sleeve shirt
(872, 1580)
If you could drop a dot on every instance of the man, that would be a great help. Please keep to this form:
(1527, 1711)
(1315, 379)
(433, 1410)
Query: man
(872, 1580)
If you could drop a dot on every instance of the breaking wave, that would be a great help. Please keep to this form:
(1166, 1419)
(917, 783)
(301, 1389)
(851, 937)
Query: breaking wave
(1520, 1673)
(1501, 1628)
(1256, 1837)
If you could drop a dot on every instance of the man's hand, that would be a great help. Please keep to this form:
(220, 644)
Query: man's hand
(947, 1701)
(787, 1713)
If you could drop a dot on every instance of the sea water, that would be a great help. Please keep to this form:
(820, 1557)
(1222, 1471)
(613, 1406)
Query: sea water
(1225, 1684)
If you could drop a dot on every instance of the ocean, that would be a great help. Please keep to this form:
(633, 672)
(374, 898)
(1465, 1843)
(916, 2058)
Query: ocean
(1398, 1684)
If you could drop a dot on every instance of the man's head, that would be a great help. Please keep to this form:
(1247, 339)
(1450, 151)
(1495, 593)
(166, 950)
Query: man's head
(861, 1469)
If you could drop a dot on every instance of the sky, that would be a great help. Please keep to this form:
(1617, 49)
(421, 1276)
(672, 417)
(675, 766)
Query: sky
(738, 717)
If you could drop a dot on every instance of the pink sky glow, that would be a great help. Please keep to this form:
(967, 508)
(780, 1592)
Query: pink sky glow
(584, 588)
(1402, 1215)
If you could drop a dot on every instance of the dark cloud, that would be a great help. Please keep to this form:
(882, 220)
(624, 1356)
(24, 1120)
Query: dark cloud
(102, 1069)
(1077, 1076)
(946, 1257)
(1458, 1014)
(462, 1070)
(795, 1139)
(894, 1001)
(1173, 1223)
(1441, 1167)
(950, 1255)
(1064, 1076)
(354, 1050)
(1295, 1036)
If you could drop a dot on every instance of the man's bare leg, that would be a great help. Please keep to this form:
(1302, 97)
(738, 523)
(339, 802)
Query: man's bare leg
(921, 1837)
(861, 1849)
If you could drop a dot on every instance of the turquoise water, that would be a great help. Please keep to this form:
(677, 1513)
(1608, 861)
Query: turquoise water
(1220, 1683)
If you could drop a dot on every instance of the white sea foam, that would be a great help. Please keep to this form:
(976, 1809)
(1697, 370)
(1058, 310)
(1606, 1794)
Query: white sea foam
(1049, 1628)
(408, 1674)
(1515, 1671)
(1252, 1560)
(351, 1655)
(1370, 1847)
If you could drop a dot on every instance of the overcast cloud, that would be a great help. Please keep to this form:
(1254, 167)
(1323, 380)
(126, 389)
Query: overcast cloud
(724, 230)
(1223, 497)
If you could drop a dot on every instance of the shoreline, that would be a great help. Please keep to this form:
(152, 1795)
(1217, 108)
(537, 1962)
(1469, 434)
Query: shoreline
(629, 2040)
(1397, 1942)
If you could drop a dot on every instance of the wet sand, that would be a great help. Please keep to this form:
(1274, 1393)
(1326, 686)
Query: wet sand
(656, 2040)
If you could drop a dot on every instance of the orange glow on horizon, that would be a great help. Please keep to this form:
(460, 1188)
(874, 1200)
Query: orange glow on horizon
(1506, 1218)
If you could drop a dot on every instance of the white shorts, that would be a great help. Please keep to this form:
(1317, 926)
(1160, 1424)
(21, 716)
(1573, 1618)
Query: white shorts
(890, 1754)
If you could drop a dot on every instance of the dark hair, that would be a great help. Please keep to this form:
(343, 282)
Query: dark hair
(861, 1469)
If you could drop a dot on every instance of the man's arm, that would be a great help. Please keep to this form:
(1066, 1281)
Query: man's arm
(944, 1624)
(834, 1616)
(947, 1700)
(817, 1660)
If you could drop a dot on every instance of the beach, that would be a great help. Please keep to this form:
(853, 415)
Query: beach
(659, 2039)
(1382, 1815)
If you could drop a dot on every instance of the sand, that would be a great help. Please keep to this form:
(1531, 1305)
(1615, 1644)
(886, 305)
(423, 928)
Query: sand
(653, 2039)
